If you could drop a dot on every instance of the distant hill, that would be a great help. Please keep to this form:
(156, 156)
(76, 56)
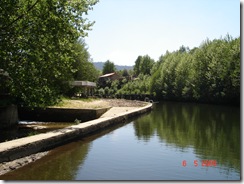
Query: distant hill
(99, 66)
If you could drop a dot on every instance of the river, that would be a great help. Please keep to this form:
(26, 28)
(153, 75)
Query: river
(176, 141)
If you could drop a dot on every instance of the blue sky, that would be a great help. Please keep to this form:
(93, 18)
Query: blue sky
(125, 29)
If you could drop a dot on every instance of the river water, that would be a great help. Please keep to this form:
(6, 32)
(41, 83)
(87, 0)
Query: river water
(176, 141)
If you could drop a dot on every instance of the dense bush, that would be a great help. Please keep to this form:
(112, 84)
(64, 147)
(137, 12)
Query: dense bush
(137, 86)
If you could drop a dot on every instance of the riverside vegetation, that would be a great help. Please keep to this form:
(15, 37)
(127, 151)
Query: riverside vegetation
(42, 48)
(209, 73)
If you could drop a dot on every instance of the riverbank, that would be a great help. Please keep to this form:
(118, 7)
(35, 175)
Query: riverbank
(16, 153)
(98, 103)
(70, 110)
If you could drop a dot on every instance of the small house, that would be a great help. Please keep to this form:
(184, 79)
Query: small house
(108, 77)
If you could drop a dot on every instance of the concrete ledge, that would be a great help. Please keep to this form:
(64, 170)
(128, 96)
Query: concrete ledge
(18, 148)
(59, 114)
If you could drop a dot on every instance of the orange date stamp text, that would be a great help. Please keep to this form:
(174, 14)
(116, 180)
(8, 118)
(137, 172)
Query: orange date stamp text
(203, 163)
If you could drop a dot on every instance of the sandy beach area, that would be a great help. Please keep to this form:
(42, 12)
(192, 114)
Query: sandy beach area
(98, 103)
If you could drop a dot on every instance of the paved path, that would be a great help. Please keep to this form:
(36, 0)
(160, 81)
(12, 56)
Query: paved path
(115, 111)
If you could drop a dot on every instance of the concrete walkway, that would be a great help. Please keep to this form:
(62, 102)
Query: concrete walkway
(114, 111)
(22, 147)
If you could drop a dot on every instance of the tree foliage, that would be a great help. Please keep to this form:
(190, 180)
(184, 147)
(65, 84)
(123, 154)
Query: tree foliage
(84, 68)
(210, 73)
(36, 46)
(143, 65)
(136, 87)
(108, 67)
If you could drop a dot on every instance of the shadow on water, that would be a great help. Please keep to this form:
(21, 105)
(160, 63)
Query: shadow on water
(212, 131)
(59, 164)
(62, 162)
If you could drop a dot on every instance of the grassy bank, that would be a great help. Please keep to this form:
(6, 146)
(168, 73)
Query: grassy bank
(81, 103)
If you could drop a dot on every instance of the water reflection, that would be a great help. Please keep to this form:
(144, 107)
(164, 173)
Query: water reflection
(151, 147)
(213, 131)
(60, 164)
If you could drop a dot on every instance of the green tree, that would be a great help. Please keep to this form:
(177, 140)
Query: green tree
(36, 46)
(139, 86)
(184, 49)
(216, 67)
(143, 65)
(125, 73)
(137, 66)
(147, 65)
(108, 67)
(84, 68)
(210, 73)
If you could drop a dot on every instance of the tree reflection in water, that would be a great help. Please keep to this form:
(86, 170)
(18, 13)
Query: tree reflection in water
(213, 131)
(60, 164)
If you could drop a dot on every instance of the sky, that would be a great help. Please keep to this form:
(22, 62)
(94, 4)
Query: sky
(125, 29)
